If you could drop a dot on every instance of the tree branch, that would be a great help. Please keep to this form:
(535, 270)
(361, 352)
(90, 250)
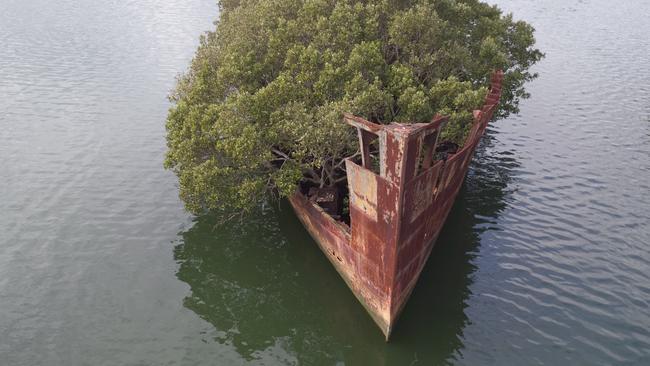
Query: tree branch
(280, 153)
(339, 180)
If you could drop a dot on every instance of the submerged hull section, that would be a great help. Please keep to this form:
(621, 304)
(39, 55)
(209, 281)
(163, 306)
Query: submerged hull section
(396, 214)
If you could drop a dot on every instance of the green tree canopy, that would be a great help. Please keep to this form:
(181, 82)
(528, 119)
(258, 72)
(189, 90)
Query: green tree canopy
(261, 105)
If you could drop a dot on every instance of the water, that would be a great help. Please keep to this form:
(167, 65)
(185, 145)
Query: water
(544, 259)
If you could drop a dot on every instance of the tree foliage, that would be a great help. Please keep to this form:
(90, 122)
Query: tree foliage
(260, 107)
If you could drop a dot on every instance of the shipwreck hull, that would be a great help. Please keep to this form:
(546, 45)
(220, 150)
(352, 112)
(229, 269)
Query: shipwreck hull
(396, 214)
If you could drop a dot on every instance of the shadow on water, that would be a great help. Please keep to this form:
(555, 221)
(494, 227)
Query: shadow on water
(271, 293)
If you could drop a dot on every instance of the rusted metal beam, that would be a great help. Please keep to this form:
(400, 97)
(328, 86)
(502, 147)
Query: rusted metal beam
(361, 123)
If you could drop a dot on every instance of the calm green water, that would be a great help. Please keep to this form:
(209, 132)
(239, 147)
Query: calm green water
(545, 258)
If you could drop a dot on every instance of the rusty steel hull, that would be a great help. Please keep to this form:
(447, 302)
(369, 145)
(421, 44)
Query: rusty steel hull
(396, 214)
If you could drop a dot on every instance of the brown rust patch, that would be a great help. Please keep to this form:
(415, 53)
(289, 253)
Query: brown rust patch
(363, 194)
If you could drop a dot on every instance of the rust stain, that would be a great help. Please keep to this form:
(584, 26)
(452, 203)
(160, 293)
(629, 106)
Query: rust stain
(364, 194)
(396, 215)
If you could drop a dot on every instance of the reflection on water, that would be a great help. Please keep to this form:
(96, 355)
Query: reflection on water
(270, 292)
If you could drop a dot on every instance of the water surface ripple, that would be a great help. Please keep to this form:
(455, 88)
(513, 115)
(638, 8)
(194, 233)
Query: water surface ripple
(544, 258)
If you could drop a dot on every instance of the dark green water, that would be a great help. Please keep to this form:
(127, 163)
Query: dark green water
(544, 259)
